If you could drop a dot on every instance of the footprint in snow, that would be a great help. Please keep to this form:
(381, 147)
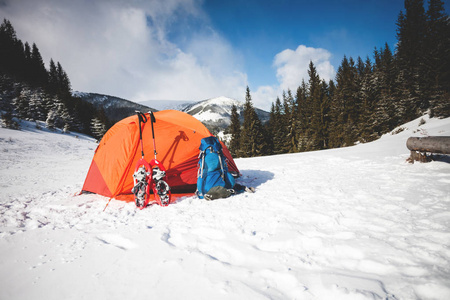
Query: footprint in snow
(117, 241)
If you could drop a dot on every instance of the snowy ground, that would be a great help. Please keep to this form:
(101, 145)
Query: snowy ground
(352, 223)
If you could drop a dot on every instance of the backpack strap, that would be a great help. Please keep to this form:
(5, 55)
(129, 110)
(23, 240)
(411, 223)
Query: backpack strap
(221, 166)
(201, 158)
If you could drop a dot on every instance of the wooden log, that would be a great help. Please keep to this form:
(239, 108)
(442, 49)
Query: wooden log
(432, 144)
(418, 156)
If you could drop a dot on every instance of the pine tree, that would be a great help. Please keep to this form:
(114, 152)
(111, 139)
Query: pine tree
(303, 116)
(98, 128)
(438, 67)
(322, 135)
(290, 123)
(21, 103)
(65, 117)
(50, 120)
(38, 73)
(53, 85)
(320, 114)
(411, 59)
(315, 95)
(369, 97)
(11, 50)
(276, 128)
(64, 87)
(389, 106)
(26, 67)
(58, 115)
(235, 131)
(346, 105)
(36, 105)
(270, 127)
(246, 134)
(253, 141)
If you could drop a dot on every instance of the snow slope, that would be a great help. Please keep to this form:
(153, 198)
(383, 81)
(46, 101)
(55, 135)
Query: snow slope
(217, 111)
(214, 109)
(350, 223)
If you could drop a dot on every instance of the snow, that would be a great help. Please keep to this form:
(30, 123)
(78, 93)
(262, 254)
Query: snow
(215, 109)
(166, 104)
(209, 115)
(349, 223)
(224, 101)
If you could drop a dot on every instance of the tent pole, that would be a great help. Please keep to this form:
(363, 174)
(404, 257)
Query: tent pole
(142, 118)
(153, 120)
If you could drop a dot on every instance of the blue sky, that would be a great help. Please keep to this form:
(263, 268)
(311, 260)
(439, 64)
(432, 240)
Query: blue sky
(261, 29)
(199, 49)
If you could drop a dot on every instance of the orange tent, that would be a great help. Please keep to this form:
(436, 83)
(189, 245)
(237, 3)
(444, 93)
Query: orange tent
(177, 137)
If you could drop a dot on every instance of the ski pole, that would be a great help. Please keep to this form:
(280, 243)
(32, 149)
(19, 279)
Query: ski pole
(153, 120)
(142, 118)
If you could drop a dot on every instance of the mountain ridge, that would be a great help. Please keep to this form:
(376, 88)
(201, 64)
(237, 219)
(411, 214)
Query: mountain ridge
(214, 113)
(115, 108)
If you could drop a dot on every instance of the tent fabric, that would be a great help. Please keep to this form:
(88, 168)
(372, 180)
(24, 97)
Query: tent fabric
(177, 137)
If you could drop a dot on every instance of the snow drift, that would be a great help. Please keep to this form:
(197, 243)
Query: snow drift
(350, 223)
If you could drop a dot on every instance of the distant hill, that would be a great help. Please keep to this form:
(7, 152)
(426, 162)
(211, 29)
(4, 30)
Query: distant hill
(167, 104)
(215, 113)
(115, 108)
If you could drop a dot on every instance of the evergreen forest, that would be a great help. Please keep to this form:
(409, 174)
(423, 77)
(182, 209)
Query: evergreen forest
(368, 98)
(29, 91)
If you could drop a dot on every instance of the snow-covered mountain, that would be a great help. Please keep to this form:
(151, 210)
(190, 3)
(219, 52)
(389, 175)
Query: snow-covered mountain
(348, 223)
(115, 108)
(166, 104)
(215, 113)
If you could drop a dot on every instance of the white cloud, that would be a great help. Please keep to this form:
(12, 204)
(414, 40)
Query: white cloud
(264, 96)
(127, 49)
(292, 66)
(122, 48)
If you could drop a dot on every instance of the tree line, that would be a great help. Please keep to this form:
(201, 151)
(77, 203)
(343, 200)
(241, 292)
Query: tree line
(29, 91)
(367, 99)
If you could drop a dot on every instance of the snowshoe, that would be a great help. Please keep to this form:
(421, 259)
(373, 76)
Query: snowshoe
(160, 187)
(158, 174)
(139, 191)
(141, 188)
(162, 191)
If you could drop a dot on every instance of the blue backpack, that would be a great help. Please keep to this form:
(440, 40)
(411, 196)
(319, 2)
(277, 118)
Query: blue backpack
(212, 167)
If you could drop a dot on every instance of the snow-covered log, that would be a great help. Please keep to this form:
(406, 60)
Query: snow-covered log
(433, 144)
(419, 147)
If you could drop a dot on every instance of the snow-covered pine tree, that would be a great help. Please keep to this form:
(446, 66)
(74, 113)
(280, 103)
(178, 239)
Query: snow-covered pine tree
(50, 120)
(98, 128)
(58, 116)
(21, 103)
(63, 117)
(37, 109)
